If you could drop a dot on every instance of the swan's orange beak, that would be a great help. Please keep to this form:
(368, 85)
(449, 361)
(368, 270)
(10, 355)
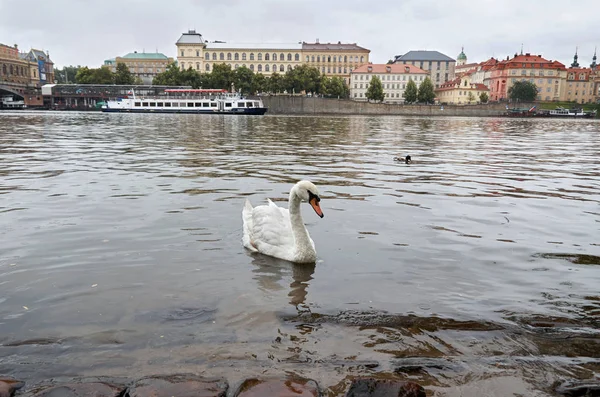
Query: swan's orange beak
(314, 202)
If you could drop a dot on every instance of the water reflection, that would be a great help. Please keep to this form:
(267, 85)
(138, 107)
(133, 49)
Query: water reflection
(269, 274)
(113, 223)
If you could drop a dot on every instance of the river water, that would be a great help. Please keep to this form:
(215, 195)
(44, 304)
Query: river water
(474, 270)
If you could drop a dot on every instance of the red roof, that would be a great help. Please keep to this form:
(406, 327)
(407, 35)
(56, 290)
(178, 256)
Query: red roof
(395, 68)
(455, 84)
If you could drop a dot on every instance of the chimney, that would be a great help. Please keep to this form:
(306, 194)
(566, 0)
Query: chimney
(317, 40)
(369, 68)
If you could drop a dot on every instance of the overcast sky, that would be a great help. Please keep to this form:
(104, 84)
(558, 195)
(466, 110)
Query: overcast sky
(86, 32)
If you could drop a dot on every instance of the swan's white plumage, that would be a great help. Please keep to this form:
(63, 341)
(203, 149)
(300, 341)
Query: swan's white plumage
(268, 229)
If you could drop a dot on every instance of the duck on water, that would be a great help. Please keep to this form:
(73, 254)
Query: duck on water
(406, 160)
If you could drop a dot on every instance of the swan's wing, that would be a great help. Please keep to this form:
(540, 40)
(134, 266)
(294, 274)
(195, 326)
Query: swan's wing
(271, 231)
(247, 228)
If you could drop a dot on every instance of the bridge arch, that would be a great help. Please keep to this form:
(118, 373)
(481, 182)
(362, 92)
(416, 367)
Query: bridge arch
(4, 91)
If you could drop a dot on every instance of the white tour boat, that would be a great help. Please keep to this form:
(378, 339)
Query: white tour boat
(201, 101)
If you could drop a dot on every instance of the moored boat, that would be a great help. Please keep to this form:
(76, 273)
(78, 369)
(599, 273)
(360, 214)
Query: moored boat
(195, 101)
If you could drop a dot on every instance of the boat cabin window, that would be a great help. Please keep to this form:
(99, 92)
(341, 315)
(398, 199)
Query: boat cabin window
(190, 104)
(227, 104)
(205, 104)
(198, 104)
(159, 104)
(181, 104)
(144, 103)
(249, 104)
(138, 104)
(213, 104)
(175, 104)
(167, 104)
(152, 104)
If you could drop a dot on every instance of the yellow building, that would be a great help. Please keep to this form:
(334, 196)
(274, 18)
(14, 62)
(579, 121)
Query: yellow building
(13, 67)
(579, 86)
(393, 80)
(265, 58)
(143, 65)
(461, 91)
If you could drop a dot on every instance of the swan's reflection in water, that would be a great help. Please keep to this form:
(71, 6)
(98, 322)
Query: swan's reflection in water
(270, 272)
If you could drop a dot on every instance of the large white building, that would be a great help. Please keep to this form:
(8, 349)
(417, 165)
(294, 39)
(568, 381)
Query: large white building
(394, 78)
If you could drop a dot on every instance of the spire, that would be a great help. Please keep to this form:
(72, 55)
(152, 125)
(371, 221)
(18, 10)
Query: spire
(521, 48)
(594, 64)
(575, 64)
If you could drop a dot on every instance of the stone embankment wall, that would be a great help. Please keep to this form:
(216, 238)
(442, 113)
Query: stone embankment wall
(304, 105)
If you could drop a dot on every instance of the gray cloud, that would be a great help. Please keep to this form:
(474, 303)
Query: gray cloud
(87, 33)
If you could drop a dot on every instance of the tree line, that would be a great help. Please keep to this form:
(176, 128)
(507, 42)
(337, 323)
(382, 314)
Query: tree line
(303, 78)
(102, 75)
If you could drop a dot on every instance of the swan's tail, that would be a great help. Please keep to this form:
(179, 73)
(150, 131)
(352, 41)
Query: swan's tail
(247, 220)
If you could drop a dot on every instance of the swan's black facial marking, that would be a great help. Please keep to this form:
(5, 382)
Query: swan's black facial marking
(314, 200)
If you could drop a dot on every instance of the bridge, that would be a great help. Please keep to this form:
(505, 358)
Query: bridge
(21, 92)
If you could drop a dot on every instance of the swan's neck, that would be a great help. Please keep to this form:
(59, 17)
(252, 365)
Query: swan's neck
(301, 236)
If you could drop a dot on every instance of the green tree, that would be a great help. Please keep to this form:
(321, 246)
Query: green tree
(190, 77)
(243, 78)
(171, 76)
(426, 92)
(303, 78)
(375, 90)
(66, 75)
(260, 83)
(483, 97)
(103, 75)
(524, 91)
(84, 76)
(222, 76)
(390, 62)
(138, 80)
(470, 97)
(275, 83)
(410, 92)
(334, 87)
(123, 75)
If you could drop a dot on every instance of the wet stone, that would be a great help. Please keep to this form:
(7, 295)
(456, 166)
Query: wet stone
(579, 389)
(8, 386)
(287, 387)
(370, 387)
(180, 385)
(92, 389)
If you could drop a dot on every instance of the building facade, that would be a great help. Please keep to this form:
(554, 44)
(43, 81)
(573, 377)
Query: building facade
(461, 90)
(41, 67)
(13, 68)
(549, 76)
(394, 78)
(23, 73)
(440, 67)
(142, 65)
(267, 58)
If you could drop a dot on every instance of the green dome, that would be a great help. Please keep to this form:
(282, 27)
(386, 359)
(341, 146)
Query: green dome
(462, 56)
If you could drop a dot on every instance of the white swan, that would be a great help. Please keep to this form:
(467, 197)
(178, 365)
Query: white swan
(278, 232)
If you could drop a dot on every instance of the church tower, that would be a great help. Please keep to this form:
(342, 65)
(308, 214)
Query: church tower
(575, 64)
(462, 58)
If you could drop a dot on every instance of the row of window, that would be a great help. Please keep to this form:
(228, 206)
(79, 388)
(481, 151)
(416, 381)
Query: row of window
(427, 63)
(387, 86)
(388, 77)
(267, 68)
(581, 76)
(387, 95)
(532, 72)
(335, 59)
(16, 70)
(237, 56)
(175, 104)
